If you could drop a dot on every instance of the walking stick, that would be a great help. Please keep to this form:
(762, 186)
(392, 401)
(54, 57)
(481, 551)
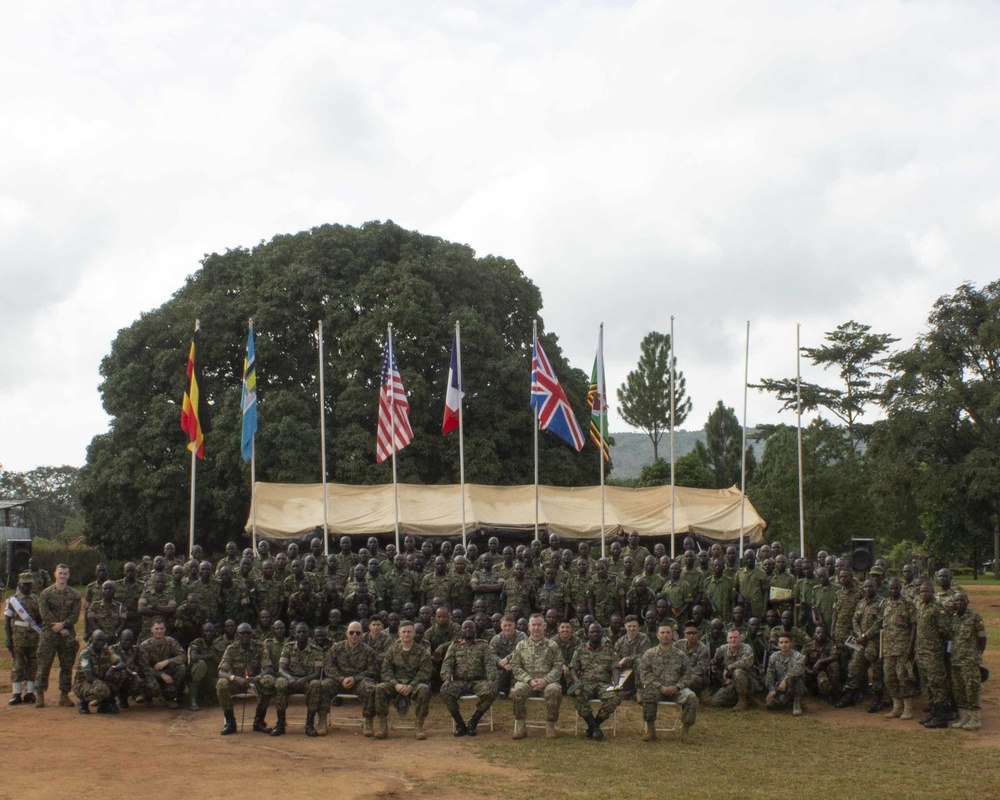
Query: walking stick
(246, 693)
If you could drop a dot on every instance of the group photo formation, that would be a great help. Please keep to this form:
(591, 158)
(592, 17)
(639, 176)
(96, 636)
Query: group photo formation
(391, 633)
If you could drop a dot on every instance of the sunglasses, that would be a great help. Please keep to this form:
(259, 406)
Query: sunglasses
(354, 633)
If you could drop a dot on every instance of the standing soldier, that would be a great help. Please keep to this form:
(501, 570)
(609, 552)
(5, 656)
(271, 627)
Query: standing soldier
(932, 631)
(968, 641)
(203, 667)
(105, 614)
(128, 593)
(21, 619)
(469, 667)
(899, 631)
(845, 603)
(867, 623)
(60, 610)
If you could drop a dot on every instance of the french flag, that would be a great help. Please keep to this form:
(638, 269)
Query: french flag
(455, 392)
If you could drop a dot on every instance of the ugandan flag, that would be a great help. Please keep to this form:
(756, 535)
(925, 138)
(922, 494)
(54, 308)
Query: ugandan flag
(195, 418)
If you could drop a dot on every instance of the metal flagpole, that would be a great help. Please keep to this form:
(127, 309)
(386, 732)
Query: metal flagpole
(798, 412)
(253, 494)
(461, 426)
(534, 409)
(743, 463)
(600, 422)
(673, 493)
(392, 423)
(322, 441)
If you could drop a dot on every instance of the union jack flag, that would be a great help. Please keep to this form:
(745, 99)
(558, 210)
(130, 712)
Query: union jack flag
(549, 401)
(394, 431)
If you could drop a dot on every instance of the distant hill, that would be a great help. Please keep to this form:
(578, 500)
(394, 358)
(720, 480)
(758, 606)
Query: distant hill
(633, 451)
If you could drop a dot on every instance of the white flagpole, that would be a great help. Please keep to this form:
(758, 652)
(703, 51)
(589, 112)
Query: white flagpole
(600, 421)
(798, 413)
(461, 425)
(392, 422)
(743, 467)
(322, 440)
(673, 492)
(253, 493)
(194, 471)
(534, 411)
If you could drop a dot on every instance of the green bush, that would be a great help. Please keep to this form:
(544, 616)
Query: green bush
(82, 561)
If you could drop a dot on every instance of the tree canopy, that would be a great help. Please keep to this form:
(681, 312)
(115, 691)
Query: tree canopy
(135, 485)
(722, 450)
(644, 398)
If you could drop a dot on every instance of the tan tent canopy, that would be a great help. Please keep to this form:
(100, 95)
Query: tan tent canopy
(290, 511)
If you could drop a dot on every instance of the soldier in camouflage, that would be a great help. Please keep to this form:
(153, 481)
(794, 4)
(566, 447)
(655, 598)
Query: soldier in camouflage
(537, 665)
(299, 671)
(90, 679)
(736, 669)
(932, 632)
(968, 641)
(822, 665)
(245, 667)
(406, 672)
(59, 607)
(162, 664)
(784, 679)
(664, 671)
(899, 630)
(866, 624)
(593, 668)
(469, 667)
(351, 666)
(21, 622)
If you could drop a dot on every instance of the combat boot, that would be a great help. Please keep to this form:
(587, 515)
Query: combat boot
(907, 708)
(649, 731)
(741, 704)
(461, 729)
(519, 732)
(15, 700)
(279, 726)
(550, 730)
(897, 710)
(876, 704)
(29, 697)
(259, 725)
(322, 723)
(381, 727)
(311, 731)
(82, 706)
(963, 717)
(796, 707)
(366, 726)
(591, 724)
(418, 730)
(230, 726)
(192, 698)
(939, 718)
(41, 699)
(473, 724)
(123, 699)
(64, 700)
(973, 723)
(107, 707)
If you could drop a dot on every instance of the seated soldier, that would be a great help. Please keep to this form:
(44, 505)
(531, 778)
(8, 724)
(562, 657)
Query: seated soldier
(162, 665)
(736, 670)
(664, 672)
(406, 672)
(350, 666)
(245, 665)
(299, 672)
(90, 678)
(469, 667)
(274, 643)
(821, 668)
(593, 668)
(784, 676)
(538, 665)
(203, 665)
(697, 655)
(502, 645)
(125, 680)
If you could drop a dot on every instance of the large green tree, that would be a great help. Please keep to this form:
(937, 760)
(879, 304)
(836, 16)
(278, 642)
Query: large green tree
(722, 450)
(941, 438)
(54, 509)
(136, 482)
(860, 358)
(644, 398)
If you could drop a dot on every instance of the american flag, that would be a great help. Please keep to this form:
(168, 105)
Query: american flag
(394, 431)
(549, 401)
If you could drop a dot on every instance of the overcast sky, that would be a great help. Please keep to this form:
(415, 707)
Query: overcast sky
(720, 162)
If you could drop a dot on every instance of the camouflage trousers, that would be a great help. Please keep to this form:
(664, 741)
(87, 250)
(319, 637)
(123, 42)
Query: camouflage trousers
(481, 689)
(202, 678)
(898, 674)
(420, 697)
(364, 690)
(25, 657)
(685, 698)
(783, 699)
(51, 645)
(933, 676)
(857, 669)
(826, 682)
(966, 684)
(227, 692)
(596, 691)
(743, 684)
(95, 691)
(154, 686)
(123, 683)
(553, 698)
(283, 690)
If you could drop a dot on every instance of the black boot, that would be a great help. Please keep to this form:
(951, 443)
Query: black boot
(461, 729)
(230, 726)
(82, 706)
(15, 700)
(279, 726)
(259, 725)
(876, 704)
(123, 699)
(850, 698)
(29, 697)
(939, 718)
(310, 724)
(598, 734)
(473, 723)
(591, 724)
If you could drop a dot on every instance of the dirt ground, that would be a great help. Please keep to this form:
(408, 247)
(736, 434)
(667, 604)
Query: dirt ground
(56, 752)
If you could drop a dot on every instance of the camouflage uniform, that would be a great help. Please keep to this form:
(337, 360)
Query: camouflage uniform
(520, 594)
(867, 622)
(533, 660)
(666, 666)
(232, 604)
(553, 596)
(784, 669)
(188, 622)
(129, 596)
(823, 600)
(270, 597)
(639, 600)
(152, 653)
(577, 588)
(472, 669)
(845, 603)
(720, 592)
(751, 584)
(461, 591)
(122, 682)
(607, 597)
(273, 646)
(401, 586)
(96, 690)
(827, 679)
(57, 605)
(966, 658)
(302, 607)
(491, 599)
(300, 663)
(932, 630)
(24, 638)
(434, 585)
(409, 667)
(204, 671)
(742, 675)
(594, 669)
(208, 593)
(504, 648)
(242, 662)
(154, 599)
(340, 662)
(107, 617)
(898, 618)
(698, 664)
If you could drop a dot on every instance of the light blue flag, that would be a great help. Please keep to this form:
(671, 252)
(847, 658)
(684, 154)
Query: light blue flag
(249, 398)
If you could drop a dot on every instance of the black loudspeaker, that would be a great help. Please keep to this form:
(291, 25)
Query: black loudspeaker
(862, 554)
(18, 553)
